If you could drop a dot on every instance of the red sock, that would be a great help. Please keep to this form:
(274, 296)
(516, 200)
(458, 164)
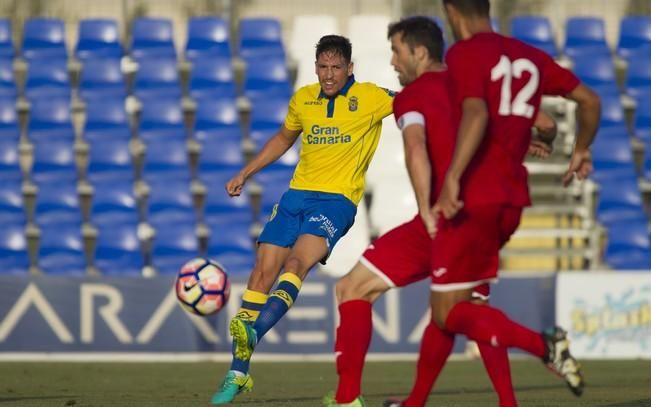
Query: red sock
(485, 324)
(351, 344)
(496, 362)
(435, 348)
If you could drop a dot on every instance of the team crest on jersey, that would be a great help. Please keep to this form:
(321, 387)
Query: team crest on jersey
(352, 104)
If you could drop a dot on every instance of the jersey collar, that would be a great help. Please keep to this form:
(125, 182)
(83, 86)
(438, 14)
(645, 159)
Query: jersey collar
(343, 91)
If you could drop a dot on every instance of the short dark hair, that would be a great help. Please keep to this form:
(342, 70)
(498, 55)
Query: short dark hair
(420, 30)
(336, 44)
(471, 7)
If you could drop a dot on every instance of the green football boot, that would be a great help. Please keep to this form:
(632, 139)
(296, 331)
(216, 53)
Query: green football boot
(232, 386)
(244, 337)
(329, 401)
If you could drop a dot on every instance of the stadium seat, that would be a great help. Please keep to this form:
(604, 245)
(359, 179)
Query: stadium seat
(102, 79)
(217, 119)
(11, 201)
(267, 116)
(212, 77)
(634, 33)
(585, 36)
(44, 38)
(114, 202)
(232, 246)
(118, 250)
(260, 38)
(612, 154)
(306, 32)
(275, 179)
(173, 246)
(9, 130)
(219, 155)
(109, 160)
(612, 111)
(106, 120)
(267, 78)
(638, 75)
(7, 79)
(54, 162)
(629, 259)
(6, 40)
(598, 72)
(363, 30)
(157, 78)
(152, 38)
(98, 38)
(642, 122)
(628, 246)
(47, 80)
(61, 249)
(50, 120)
(162, 119)
(222, 209)
(9, 160)
(207, 37)
(166, 161)
(170, 202)
(619, 200)
(393, 203)
(13, 249)
(57, 204)
(536, 31)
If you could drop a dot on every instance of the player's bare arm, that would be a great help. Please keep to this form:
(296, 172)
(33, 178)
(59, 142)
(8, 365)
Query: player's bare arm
(588, 115)
(420, 171)
(272, 150)
(544, 135)
(471, 132)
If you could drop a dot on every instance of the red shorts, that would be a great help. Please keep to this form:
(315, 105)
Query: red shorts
(403, 256)
(466, 248)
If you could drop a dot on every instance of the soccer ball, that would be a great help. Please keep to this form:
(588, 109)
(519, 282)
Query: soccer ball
(202, 286)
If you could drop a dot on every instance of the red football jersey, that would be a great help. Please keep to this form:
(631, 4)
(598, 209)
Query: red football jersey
(511, 77)
(428, 97)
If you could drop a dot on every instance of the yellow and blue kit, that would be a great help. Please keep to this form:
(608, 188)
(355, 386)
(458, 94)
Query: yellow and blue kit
(339, 137)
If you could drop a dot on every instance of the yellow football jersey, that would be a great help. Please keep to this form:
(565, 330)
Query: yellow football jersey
(339, 137)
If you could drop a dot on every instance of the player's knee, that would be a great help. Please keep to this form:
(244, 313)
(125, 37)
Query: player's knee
(296, 266)
(346, 289)
(439, 317)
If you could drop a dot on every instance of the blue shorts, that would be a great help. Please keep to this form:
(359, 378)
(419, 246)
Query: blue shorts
(309, 212)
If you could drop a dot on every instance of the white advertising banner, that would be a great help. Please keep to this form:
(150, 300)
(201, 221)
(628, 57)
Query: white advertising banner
(607, 314)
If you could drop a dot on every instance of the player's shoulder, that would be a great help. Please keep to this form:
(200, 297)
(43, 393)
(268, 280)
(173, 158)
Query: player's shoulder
(310, 91)
(372, 88)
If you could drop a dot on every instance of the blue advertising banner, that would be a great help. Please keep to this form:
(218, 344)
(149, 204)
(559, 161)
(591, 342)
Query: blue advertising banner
(108, 314)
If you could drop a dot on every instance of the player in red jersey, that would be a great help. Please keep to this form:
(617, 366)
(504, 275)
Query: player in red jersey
(402, 256)
(497, 84)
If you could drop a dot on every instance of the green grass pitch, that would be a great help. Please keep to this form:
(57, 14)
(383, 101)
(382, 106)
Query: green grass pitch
(462, 383)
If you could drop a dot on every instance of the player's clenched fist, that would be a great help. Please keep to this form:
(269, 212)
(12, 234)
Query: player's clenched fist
(235, 184)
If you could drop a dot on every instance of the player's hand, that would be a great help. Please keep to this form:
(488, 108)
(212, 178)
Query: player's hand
(540, 149)
(429, 218)
(448, 202)
(235, 184)
(580, 165)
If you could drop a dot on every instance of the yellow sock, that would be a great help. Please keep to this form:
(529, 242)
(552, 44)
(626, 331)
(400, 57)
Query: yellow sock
(252, 302)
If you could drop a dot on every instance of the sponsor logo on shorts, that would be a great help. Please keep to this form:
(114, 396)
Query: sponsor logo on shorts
(326, 224)
(274, 212)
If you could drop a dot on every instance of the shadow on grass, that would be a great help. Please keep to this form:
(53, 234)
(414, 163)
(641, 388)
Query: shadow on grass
(27, 398)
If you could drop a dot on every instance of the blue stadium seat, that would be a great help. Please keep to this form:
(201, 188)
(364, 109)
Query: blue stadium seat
(619, 200)
(57, 204)
(47, 80)
(13, 249)
(642, 123)
(106, 120)
(536, 31)
(166, 161)
(598, 72)
(495, 24)
(102, 79)
(638, 75)
(217, 119)
(267, 116)
(174, 245)
(212, 77)
(260, 38)
(152, 38)
(118, 250)
(54, 162)
(585, 35)
(441, 23)
(6, 40)
(157, 78)
(275, 180)
(170, 202)
(218, 155)
(629, 259)
(612, 111)
(61, 250)
(231, 245)
(207, 37)
(9, 160)
(109, 160)
(628, 246)
(44, 38)
(113, 202)
(9, 130)
(98, 38)
(222, 209)
(267, 78)
(162, 119)
(11, 201)
(50, 120)
(612, 154)
(7, 79)
(634, 33)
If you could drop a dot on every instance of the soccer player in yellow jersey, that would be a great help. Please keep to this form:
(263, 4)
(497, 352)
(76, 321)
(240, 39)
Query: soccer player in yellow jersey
(341, 122)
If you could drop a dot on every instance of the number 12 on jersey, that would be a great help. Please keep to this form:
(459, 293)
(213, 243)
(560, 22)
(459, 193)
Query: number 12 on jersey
(506, 70)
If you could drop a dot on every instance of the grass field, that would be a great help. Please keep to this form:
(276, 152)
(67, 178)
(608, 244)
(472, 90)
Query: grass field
(463, 383)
